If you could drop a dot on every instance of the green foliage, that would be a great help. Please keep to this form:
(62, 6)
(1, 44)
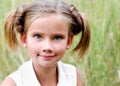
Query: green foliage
(101, 64)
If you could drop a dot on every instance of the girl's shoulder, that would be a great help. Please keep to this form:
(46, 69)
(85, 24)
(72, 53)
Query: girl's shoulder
(67, 74)
(70, 73)
(8, 82)
(11, 79)
(25, 75)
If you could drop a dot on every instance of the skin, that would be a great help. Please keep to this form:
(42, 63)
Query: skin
(46, 42)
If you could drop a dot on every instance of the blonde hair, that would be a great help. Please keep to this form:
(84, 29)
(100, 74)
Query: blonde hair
(20, 19)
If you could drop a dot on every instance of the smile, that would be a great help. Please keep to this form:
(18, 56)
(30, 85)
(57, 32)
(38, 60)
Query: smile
(47, 57)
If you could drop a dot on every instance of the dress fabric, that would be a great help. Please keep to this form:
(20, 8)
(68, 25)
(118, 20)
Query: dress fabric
(25, 75)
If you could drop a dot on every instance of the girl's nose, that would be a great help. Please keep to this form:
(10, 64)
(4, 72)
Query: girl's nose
(47, 47)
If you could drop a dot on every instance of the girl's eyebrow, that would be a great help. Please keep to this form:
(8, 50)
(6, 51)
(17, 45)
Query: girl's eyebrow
(53, 34)
(37, 33)
(60, 34)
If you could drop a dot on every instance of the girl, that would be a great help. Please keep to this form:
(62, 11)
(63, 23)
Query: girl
(46, 29)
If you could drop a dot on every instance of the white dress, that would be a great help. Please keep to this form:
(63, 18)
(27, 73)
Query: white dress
(25, 75)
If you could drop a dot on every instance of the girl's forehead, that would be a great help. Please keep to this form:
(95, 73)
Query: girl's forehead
(49, 16)
(51, 22)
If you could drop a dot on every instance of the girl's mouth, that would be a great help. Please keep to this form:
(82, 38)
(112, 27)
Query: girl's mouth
(46, 57)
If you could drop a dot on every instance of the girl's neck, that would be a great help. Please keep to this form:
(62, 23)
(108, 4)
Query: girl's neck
(46, 76)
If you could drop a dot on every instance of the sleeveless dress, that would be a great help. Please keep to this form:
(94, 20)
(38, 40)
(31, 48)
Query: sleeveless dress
(25, 75)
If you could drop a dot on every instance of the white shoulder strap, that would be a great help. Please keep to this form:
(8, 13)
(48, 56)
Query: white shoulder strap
(66, 75)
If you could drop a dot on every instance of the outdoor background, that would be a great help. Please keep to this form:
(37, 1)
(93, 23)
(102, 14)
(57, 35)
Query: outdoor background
(100, 65)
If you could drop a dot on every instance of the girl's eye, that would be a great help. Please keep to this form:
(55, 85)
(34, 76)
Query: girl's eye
(58, 37)
(38, 37)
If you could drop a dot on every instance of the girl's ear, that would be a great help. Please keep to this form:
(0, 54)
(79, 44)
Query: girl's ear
(23, 40)
(70, 39)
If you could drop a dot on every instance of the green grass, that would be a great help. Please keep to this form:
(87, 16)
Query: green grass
(100, 65)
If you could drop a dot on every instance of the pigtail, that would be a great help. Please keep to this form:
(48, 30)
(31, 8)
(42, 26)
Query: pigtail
(80, 25)
(14, 23)
(9, 31)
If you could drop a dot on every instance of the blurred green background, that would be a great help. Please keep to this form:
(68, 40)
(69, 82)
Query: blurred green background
(100, 65)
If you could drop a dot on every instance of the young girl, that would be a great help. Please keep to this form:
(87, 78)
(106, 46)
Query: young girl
(46, 29)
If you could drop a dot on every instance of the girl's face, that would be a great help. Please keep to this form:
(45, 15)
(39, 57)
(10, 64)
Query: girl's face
(47, 39)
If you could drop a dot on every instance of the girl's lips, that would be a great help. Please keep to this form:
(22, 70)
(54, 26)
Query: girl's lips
(47, 57)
